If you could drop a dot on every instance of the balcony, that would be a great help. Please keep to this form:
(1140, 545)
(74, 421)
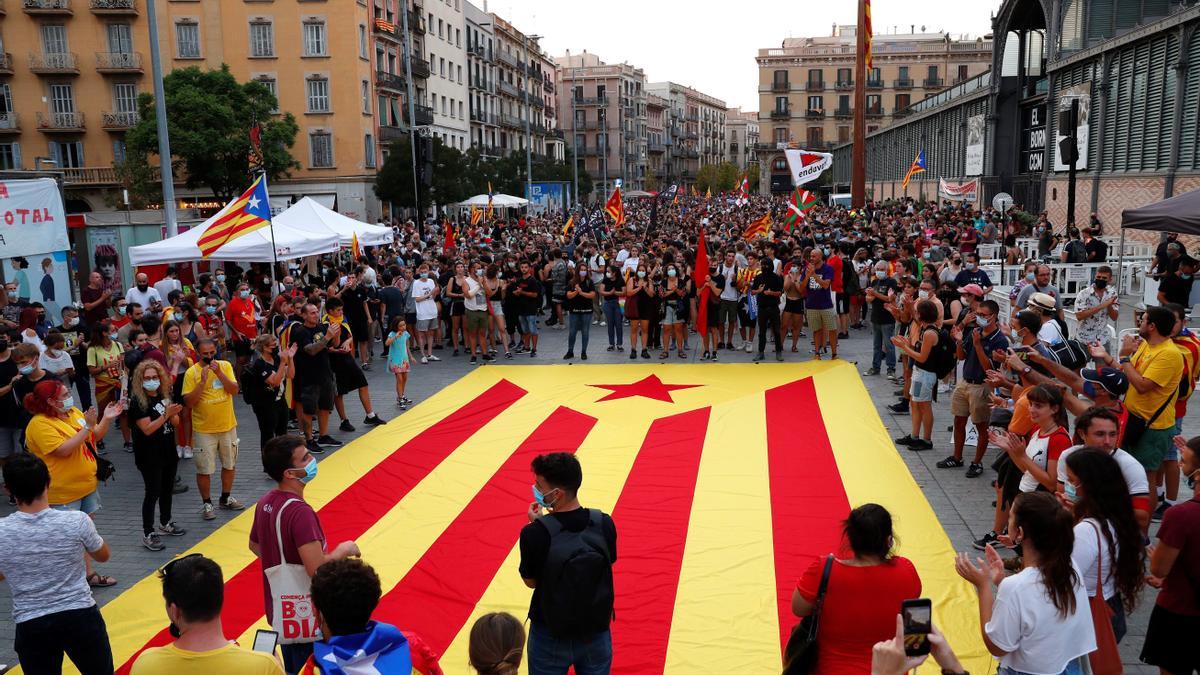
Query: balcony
(601, 101)
(533, 100)
(388, 133)
(818, 85)
(511, 122)
(547, 86)
(390, 81)
(656, 147)
(843, 112)
(591, 125)
(690, 154)
(492, 150)
(591, 151)
(844, 85)
(781, 114)
(423, 115)
(902, 83)
(874, 84)
(899, 111)
(509, 60)
(54, 64)
(416, 25)
(875, 111)
(814, 114)
(10, 123)
(6, 64)
(118, 121)
(387, 29)
(118, 62)
(60, 122)
(115, 7)
(934, 83)
(420, 67)
(691, 136)
(479, 51)
(61, 7)
(95, 176)
(781, 87)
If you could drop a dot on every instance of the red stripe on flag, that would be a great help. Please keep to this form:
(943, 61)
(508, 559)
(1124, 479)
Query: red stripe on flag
(808, 500)
(441, 590)
(652, 517)
(365, 501)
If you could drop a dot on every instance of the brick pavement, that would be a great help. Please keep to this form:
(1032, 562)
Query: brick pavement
(962, 505)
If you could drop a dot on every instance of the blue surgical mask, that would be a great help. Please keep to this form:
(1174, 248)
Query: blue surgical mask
(115, 336)
(1070, 491)
(540, 498)
(25, 370)
(221, 278)
(243, 294)
(1030, 277)
(880, 274)
(67, 403)
(150, 385)
(1185, 276)
(121, 310)
(310, 471)
(211, 309)
(671, 272)
(641, 274)
(981, 321)
(424, 275)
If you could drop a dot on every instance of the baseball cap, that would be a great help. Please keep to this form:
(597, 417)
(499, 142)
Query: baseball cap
(1111, 379)
(1042, 301)
(972, 289)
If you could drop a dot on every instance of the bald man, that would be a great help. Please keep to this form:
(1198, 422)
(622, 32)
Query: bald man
(142, 292)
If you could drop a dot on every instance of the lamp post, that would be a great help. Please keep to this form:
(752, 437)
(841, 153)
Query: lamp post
(412, 119)
(528, 113)
(166, 176)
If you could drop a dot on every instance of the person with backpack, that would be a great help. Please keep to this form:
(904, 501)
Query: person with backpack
(567, 556)
(930, 355)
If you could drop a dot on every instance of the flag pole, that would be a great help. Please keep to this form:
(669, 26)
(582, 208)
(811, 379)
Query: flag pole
(271, 227)
(858, 171)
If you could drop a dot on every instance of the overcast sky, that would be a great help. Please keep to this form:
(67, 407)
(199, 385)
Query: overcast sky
(711, 45)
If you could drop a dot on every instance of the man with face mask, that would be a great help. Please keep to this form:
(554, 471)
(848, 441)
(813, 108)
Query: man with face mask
(1176, 287)
(283, 515)
(142, 292)
(1095, 306)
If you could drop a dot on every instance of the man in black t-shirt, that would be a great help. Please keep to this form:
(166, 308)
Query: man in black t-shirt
(528, 291)
(75, 331)
(11, 426)
(561, 637)
(767, 288)
(354, 299)
(313, 384)
(1097, 251)
(882, 290)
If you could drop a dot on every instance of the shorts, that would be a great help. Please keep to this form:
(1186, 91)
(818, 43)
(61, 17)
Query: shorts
(971, 400)
(841, 302)
(410, 318)
(10, 442)
(670, 318)
(791, 306)
(426, 325)
(347, 375)
(728, 311)
(1169, 643)
(713, 319)
(821, 319)
(1151, 449)
(316, 396)
(89, 504)
(744, 319)
(362, 329)
(923, 385)
(529, 324)
(206, 448)
(497, 308)
(457, 309)
(476, 320)
(398, 367)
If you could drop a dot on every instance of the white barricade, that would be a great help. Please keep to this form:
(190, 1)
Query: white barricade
(989, 251)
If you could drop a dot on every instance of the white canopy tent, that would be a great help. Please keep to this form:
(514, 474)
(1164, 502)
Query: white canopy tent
(253, 247)
(309, 215)
(498, 201)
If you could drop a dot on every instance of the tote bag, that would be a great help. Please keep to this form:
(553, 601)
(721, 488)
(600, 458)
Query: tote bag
(291, 595)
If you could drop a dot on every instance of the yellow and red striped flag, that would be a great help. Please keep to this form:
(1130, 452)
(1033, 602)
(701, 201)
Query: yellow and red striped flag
(867, 35)
(476, 215)
(570, 224)
(701, 468)
(615, 208)
(240, 217)
(355, 249)
(758, 228)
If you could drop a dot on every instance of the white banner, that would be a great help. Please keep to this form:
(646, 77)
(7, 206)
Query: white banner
(1082, 92)
(975, 133)
(807, 166)
(966, 191)
(32, 218)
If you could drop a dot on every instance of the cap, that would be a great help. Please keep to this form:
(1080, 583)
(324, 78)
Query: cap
(1042, 301)
(1111, 379)
(972, 289)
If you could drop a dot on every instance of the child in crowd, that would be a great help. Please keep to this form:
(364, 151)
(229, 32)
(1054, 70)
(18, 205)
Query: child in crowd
(399, 359)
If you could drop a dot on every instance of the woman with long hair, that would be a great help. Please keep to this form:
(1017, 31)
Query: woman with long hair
(496, 644)
(639, 292)
(180, 355)
(106, 364)
(1037, 621)
(673, 291)
(612, 289)
(456, 292)
(154, 415)
(280, 315)
(1108, 538)
(863, 594)
(924, 380)
(577, 306)
(493, 289)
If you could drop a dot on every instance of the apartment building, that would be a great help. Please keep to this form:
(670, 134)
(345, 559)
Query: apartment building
(481, 82)
(657, 139)
(741, 149)
(696, 124)
(603, 110)
(806, 86)
(526, 90)
(391, 86)
(446, 51)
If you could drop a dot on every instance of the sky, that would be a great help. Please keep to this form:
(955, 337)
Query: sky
(711, 45)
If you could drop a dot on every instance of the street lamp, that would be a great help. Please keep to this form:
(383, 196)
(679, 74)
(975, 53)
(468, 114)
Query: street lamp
(528, 113)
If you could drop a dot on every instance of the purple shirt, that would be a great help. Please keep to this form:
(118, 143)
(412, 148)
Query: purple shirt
(300, 526)
(817, 297)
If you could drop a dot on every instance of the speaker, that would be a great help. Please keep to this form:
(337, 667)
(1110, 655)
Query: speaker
(1067, 150)
(1066, 119)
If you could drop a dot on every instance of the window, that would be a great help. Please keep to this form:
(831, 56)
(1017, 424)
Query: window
(459, 74)
(816, 102)
(781, 135)
(54, 39)
(843, 134)
(125, 97)
(314, 38)
(816, 76)
(816, 136)
(271, 85)
(118, 151)
(68, 155)
(875, 75)
(874, 103)
(442, 67)
(62, 98)
(10, 156)
(903, 101)
(317, 94)
(457, 37)
(780, 79)
(844, 103)
(903, 75)
(369, 151)
(781, 104)
(844, 76)
(443, 105)
(187, 40)
(262, 39)
(6, 106)
(932, 73)
(962, 73)
(460, 110)
(441, 31)
(120, 38)
(362, 41)
(320, 145)
(366, 97)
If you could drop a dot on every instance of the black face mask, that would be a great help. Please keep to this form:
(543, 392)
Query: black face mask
(3, 345)
(206, 359)
(1101, 283)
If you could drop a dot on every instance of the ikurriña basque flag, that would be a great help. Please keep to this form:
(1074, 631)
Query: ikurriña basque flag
(725, 481)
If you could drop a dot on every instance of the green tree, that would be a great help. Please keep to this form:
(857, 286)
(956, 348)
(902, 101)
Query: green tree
(753, 177)
(728, 176)
(451, 178)
(651, 182)
(210, 115)
(706, 178)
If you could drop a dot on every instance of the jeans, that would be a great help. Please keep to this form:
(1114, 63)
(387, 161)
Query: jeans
(548, 655)
(768, 317)
(1073, 668)
(158, 476)
(79, 633)
(295, 656)
(612, 317)
(578, 322)
(881, 335)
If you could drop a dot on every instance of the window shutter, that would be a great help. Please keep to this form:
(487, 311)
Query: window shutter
(1189, 150)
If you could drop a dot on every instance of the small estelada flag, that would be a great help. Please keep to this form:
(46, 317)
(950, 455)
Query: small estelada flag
(244, 215)
(476, 215)
(570, 224)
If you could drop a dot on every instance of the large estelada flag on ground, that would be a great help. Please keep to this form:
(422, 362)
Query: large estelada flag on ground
(240, 217)
(726, 483)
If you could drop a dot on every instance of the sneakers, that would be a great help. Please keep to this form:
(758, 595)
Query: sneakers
(328, 440)
(720, 345)
(891, 373)
(207, 512)
(1157, 516)
(474, 361)
(433, 358)
(178, 488)
(313, 448)
(906, 439)
(746, 348)
(406, 400)
(900, 408)
(424, 359)
(232, 504)
(632, 354)
(373, 420)
(583, 356)
(989, 538)
(779, 356)
(346, 426)
(508, 355)
(759, 357)
(950, 462)
(917, 444)
(533, 353)
(975, 470)
(170, 529)
(871, 372)
(704, 356)
(152, 542)
(568, 356)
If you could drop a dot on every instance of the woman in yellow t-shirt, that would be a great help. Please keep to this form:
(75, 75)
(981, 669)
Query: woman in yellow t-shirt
(65, 439)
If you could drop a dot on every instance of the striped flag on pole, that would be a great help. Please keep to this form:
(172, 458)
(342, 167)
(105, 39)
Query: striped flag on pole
(240, 217)
(918, 166)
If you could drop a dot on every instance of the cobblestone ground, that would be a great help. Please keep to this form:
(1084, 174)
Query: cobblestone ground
(962, 505)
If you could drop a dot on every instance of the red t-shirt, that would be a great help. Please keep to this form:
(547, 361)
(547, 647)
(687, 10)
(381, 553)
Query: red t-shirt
(299, 524)
(240, 314)
(836, 263)
(861, 604)
(1180, 529)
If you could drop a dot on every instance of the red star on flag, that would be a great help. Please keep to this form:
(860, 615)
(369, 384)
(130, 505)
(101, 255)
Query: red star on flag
(650, 387)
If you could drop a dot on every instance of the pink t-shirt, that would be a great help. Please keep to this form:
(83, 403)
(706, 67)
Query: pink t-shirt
(300, 526)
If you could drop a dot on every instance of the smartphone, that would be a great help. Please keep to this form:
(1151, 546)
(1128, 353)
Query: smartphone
(265, 641)
(918, 622)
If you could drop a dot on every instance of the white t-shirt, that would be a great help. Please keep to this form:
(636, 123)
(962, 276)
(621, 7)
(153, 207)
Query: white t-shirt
(730, 292)
(1038, 449)
(1087, 547)
(596, 265)
(1050, 333)
(474, 299)
(143, 298)
(46, 571)
(1131, 469)
(426, 309)
(630, 264)
(56, 364)
(1026, 624)
(622, 256)
(165, 286)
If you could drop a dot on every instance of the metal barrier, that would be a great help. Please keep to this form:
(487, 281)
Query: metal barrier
(1000, 295)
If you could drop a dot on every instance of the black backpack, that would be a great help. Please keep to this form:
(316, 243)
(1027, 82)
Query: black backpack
(942, 360)
(253, 386)
(1070, 354)
(575, 588)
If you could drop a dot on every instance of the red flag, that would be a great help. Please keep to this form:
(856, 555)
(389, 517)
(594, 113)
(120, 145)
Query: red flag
(449, 245)
(700, 270)
(615, 208)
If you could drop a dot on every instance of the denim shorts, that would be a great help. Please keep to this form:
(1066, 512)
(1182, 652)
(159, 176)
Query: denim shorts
(529, 324)
(89, 504)
(923, 384)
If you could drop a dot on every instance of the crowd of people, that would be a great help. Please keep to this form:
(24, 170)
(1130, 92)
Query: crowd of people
(1087, 428)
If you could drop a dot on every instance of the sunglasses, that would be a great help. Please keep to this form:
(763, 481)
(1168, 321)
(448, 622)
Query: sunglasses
(165, 570)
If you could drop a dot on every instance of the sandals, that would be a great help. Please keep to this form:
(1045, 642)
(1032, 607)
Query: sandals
(97, 580)
(664, 355)
(795, 349)
(682, 354)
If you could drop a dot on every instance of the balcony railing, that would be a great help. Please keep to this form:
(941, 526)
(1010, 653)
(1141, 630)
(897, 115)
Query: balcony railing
(591, 151)
(656, 147)
(901, 111)
(118, 120)
(818, 85)
(118, 62)
(874, 84)
(95, 176)
(54, 64)
(387, 29)
(10, 122)
(478, 50)
(423, 115)
(547, 86)
(902, 83)
(6, 64)
(814, 114)
(934, 83)
(592, 100)
(874, 111)
(843, 85)
(781, 114)
(507, 89)
(392, 81)
(388, 133)
(780, 87)
(510, 60)
(60, 121)
(419, 66)
(114, 6)
(511, 122)
(843, 112)
(415, 24)
(47, 6)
